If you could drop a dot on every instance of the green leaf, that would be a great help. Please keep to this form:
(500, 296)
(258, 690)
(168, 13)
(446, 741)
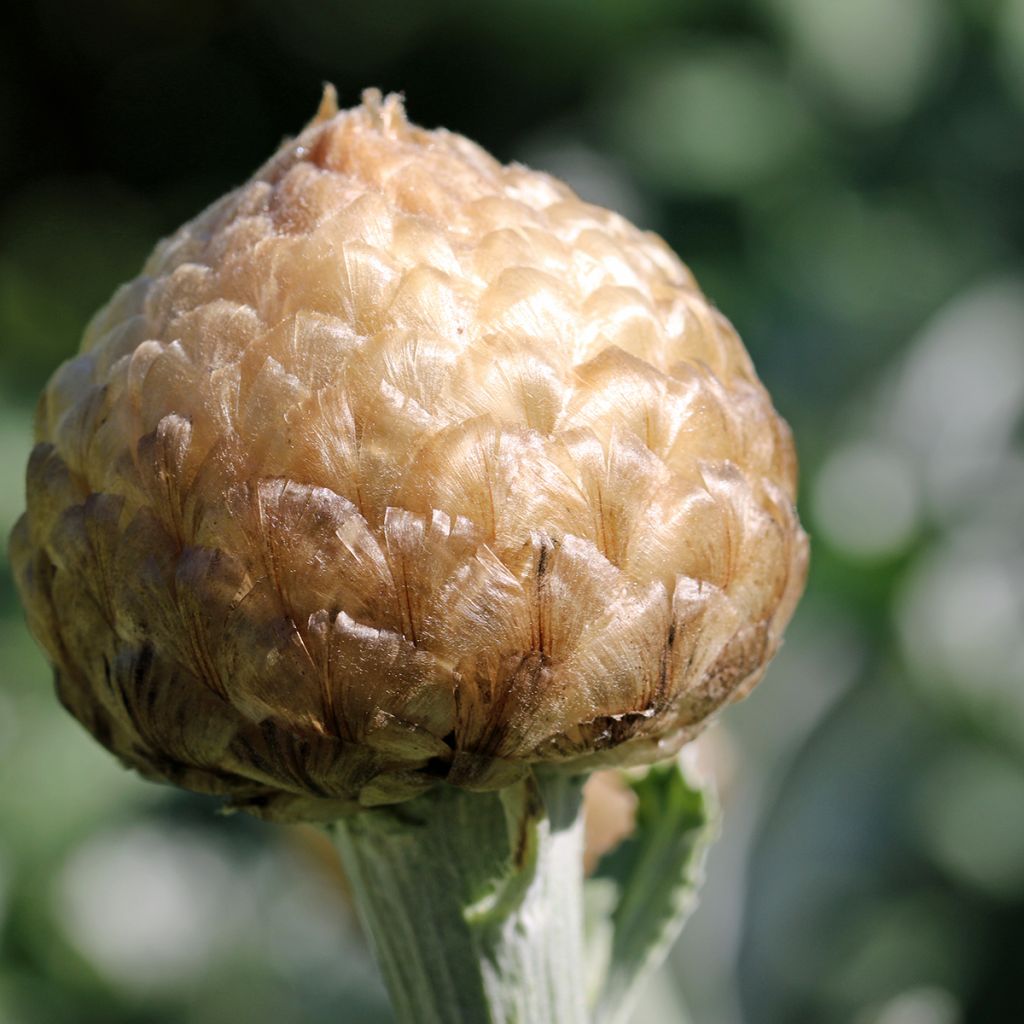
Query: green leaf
(656, 874)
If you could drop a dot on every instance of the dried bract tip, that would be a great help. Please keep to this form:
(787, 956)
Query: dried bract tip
(328, 105)
(397, 465)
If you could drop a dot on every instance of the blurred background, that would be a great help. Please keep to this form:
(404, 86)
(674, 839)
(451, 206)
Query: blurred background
(845, 179)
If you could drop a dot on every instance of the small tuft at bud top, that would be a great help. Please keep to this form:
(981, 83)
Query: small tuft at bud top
(399, 467)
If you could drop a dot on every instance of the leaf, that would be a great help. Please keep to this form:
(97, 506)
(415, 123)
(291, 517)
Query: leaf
(656, 874)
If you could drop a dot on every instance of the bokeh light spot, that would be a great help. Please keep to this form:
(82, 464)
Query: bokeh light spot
(1009, 37)
(875, 57)
(717, 121)
(866, 501)
(924, 1005)
(961, 621)
(144, 905)
(972, 823)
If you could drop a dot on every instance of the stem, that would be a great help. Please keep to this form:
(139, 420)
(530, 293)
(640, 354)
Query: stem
(473, 901)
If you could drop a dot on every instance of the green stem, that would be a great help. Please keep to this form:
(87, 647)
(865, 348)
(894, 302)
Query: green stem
(473, 902)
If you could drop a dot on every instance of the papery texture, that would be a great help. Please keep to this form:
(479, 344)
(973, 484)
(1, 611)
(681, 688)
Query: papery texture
(397, 465)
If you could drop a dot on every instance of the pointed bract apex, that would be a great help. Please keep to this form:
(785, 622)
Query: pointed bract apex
(328, 105)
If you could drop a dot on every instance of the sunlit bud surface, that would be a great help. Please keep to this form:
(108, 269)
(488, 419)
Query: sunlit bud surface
(398, 466)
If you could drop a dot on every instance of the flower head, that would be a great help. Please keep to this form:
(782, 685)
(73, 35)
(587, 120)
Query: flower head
(398, 465)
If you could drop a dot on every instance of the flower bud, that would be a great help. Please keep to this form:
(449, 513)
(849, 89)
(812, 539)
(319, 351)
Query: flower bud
(399, 465)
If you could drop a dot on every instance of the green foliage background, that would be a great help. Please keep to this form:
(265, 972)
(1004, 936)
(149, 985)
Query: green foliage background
(845, 181)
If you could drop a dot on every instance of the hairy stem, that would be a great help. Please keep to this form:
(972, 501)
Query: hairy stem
(473, 901)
